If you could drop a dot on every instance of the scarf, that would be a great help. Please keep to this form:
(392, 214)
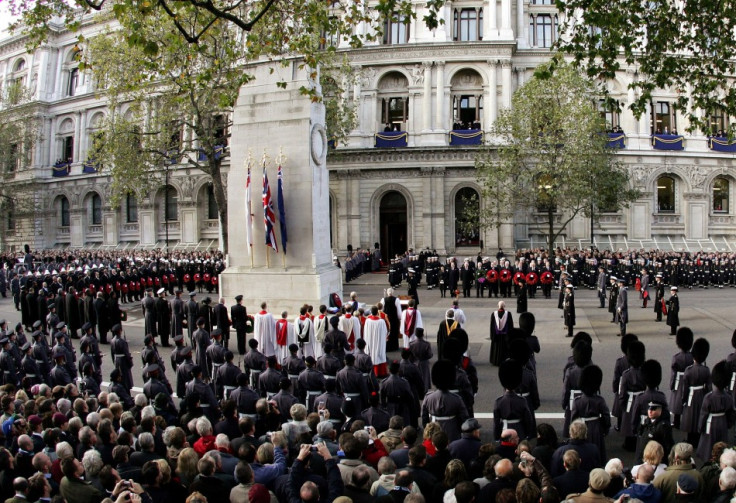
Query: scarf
(450, 329)
(501, 321)
(320, 326)
(282, 331)
(409, 322)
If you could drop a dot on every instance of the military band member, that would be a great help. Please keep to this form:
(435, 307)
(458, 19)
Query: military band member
(581, 355)
(511, 410)
(651, 372)
(591, 407)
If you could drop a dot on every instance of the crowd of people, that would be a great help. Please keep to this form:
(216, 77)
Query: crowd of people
(318, 413)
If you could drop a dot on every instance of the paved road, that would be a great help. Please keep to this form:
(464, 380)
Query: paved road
(710, 313)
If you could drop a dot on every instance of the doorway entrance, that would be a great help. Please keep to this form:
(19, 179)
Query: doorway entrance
(393, 224)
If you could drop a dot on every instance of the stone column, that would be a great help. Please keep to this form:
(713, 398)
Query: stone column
(522, 41)
(59, 87)
(147, 225)
(490, 108)
(371, 101)
(189, 220)
(427, 98)
(77, 137)
(506, 32)
(439, 121)
(490, 24)
(110, 226)
(506, 83)
(77, 230)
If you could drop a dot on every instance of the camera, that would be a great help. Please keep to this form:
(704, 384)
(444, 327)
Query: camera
(314, 448)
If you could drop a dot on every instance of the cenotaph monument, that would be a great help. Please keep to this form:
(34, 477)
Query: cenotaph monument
(272, 119)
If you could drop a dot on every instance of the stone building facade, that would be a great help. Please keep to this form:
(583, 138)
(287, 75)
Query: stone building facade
(402, 188)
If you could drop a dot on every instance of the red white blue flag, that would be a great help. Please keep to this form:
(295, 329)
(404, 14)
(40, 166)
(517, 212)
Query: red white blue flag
(269, 218)
(282, 209)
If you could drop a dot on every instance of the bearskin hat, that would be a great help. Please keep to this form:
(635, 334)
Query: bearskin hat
(720, 375)
(443, 374)
(452, 350)
(733, 339)
(581, 336)
(519, 351)
(626, 340)
(516, 333)
(590, 379)
(509, 373)
(582, 353)
(651, 372)
(636, 353)
(701, 348)
(462, 336)
(527, 322)
(684, 338)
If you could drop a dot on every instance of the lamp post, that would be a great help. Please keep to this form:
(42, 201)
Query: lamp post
(166, 204)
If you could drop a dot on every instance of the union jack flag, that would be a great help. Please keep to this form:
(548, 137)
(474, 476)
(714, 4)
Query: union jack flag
(269, 218)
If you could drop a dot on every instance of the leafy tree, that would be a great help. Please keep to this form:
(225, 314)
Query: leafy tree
(684, 46)
(549, 157)
(20, 127)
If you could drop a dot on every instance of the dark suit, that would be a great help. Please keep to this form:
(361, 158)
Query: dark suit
(238, 317)
(222, 321)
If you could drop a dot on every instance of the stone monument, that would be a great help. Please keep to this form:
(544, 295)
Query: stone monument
(271, 119)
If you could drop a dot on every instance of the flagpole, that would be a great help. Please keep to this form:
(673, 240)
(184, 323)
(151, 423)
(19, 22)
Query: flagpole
(249, 216)
(280, 161)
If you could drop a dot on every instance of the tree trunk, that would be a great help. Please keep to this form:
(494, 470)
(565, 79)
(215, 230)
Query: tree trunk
(551, 228)
(218, 189)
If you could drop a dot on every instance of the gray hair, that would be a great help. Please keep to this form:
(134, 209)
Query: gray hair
(727, 479)
(93, 420)
(92, 462)
(578, 430)
(614, 467)
(148, 411)
(222, 440)
(85, 435)
(146, 441)
(728, 458)
(112, 398)
(298, 412)
(64, 450)
(141, 400)
(215, 457)
(204, 427)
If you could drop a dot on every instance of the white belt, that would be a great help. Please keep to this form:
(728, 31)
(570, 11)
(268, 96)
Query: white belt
(693, 389)
(592, 418)
(441, 418)
(353, 395)
(679, 375)
(632, 396)
(524, 395)
(39, 361)
(117, 355)
(30, 375)
(335, 421)
(710, 418)
(269, 395)
(293, 376)
(241, 415)
(217, 365)
(309, 395)
(228, 389)
(330, 377)
(507, 422)
(366, 374)
(454, 391)
(204, 405)
(733, 381)
(573, 394)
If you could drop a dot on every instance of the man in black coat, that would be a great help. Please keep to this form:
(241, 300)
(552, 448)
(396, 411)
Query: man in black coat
(100, 307)
(222, 321)
(163, 317)
(239, 318)
(71, 316)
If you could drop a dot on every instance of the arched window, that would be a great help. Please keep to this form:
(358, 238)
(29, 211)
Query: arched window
(131, 209)
(665, 194)
(211, 203)
(467, 217)
(720, 195)
(96, 209)
(171, 203)
(64, 211)
(20, 65)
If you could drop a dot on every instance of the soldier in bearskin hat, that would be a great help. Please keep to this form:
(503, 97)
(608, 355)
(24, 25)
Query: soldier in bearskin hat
(631, 385)
(526, 324)
(651, 372)
(680, 361)
(441, 405)
(696, 384)
(511, 410)
(580, 336)
(622, 363)
(591, 407)
(731, 365)
(463, 386)
(519, 351)
(581, 354)
(717, 414)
